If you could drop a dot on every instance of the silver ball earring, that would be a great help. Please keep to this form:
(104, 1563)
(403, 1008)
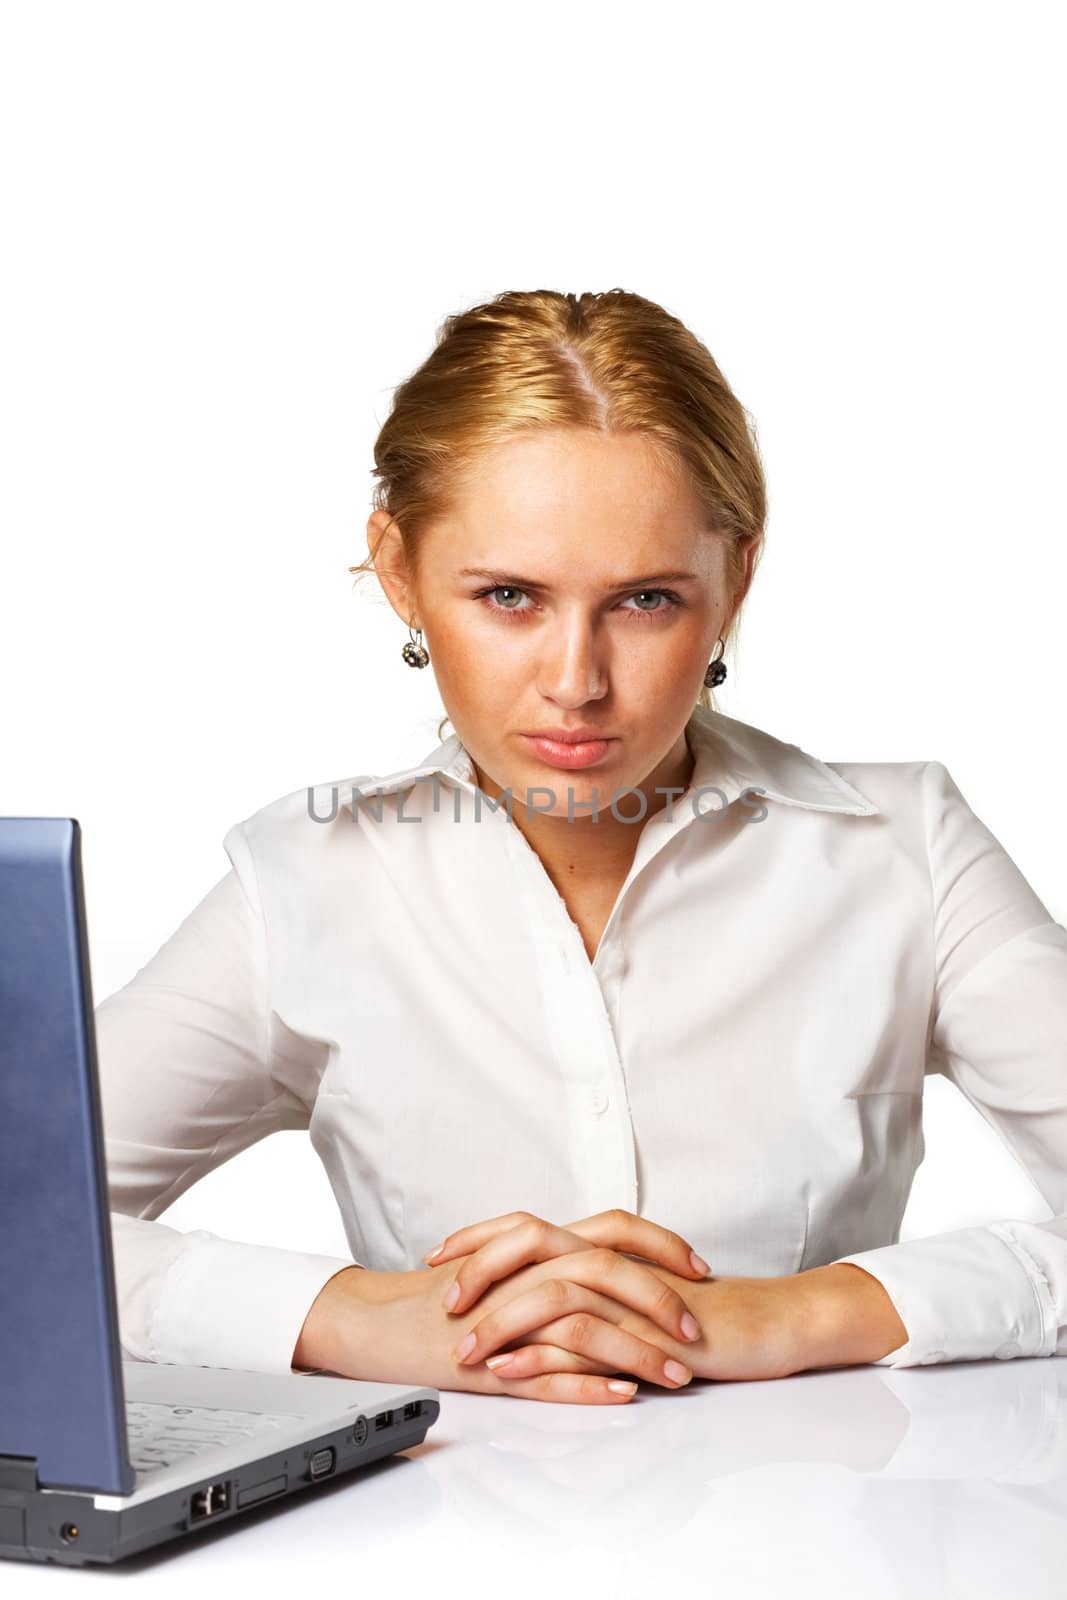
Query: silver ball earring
(716, 672)
(415, 653)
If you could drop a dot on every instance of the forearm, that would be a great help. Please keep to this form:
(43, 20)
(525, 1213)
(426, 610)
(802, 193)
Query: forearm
(341, 1322)
(848, 1317)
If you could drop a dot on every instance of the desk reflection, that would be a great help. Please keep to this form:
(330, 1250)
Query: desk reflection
(947, 1479)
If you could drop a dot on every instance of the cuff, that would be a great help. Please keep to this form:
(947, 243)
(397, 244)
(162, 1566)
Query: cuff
(964, 1296)
(227, 1304)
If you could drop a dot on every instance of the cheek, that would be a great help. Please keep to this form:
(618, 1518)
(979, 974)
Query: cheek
(461, 654)
(484, 662)
(481, 683)
(674, 656)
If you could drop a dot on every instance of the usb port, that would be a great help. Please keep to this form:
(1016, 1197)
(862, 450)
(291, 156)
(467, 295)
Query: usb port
(384, 1419)
(322, 1462)
(412, 1409)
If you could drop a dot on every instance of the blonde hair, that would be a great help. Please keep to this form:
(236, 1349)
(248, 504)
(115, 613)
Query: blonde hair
(538, 358)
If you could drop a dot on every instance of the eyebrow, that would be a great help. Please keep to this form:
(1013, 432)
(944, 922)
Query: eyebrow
(501, 579)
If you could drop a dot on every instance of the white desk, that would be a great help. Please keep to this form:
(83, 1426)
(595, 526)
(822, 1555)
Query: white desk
(946, 1481)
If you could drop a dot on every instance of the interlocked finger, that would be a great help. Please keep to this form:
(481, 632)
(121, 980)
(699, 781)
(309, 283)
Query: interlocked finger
(529, 1360)
(601, 1343)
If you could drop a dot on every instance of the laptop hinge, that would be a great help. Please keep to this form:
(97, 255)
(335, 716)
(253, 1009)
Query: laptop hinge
(19, 1472)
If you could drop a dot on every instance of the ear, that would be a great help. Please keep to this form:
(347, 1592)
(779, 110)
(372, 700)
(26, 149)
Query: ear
(751, 554)
(386, 545)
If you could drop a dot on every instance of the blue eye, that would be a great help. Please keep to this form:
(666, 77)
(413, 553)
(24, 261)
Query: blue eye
(672, 600)
(501, 588)
(663, 594)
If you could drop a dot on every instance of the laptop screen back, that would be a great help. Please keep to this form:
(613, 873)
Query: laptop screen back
(61, 1391)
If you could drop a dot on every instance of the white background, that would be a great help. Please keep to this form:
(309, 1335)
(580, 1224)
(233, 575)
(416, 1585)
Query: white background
(231, 229)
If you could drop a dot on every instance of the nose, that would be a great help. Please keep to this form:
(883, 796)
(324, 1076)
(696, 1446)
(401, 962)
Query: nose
(573, 670)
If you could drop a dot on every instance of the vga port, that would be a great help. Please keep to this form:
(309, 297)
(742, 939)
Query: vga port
(322, 1462)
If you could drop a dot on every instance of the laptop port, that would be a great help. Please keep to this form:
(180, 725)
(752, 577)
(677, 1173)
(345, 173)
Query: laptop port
(412, 1409)
(384, 1419)
(322, 1462)
(210, 1501)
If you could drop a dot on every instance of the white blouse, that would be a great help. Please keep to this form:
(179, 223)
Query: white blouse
(388, 964)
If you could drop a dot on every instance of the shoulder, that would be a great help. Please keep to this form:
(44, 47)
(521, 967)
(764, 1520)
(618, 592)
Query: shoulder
(899, 788)
(921, 792)
(298, 827)
(930, 816)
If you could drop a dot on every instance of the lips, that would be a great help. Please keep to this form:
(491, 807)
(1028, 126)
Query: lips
(567, 735)
(570, 752)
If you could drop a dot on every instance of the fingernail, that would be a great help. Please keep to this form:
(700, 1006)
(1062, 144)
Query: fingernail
(498, 1361)
(699, 1264)
(620, 1387)
(452, 1296)
(436, 1251)
(676, 1372)
(690, 1326)
(465, 1346)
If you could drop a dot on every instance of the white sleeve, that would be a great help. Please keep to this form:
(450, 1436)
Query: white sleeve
(998, 1031)
(185, 1084)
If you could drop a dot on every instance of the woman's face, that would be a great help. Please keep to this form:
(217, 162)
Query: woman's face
(573, 585)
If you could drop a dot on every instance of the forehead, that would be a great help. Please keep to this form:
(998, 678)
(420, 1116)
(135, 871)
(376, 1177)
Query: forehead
(562, 479)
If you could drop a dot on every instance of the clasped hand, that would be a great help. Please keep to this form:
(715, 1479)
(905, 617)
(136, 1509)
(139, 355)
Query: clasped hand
(560, 1312)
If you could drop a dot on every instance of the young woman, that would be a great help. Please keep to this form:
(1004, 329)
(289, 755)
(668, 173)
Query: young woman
(606, 979)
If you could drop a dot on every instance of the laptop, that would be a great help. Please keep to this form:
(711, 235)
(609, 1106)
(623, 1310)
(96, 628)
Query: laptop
(103, 1457)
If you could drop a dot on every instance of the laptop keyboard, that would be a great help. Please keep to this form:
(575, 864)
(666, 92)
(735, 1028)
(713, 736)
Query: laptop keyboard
(159, 1435)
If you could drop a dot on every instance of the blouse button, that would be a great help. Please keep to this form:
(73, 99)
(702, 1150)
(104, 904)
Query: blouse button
(599, 1101)
(1006, 1351)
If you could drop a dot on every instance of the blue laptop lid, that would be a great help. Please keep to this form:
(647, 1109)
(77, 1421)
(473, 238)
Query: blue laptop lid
(61, 1392)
